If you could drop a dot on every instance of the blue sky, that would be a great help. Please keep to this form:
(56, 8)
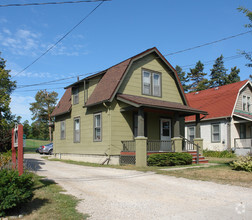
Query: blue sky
(118, 29)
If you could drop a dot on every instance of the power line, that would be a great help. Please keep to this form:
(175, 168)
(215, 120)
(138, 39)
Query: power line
(206, 44)
(56, 80)
(52, 3)
(54, 45)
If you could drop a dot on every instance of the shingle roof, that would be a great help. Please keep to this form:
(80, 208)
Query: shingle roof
(243, 115)
(140, 101)
(218, 102)
(105, 90)
(64, 104)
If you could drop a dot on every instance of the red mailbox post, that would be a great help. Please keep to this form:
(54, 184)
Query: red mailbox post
(17, 143)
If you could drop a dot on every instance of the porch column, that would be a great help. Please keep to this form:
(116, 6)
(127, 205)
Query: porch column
(176, 125)
(141, 151)
(140, 121)
(197, 132)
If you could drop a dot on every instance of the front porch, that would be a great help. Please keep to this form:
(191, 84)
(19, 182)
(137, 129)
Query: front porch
(157, 126)
(128, 154)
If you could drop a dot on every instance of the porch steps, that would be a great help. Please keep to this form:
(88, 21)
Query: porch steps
(202, 159)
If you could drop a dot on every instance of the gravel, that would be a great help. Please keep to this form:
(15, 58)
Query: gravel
(107, 193)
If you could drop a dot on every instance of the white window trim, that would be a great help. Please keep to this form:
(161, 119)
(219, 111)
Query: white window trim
(152, 73)
(94, 124)
(188, 132)
(74, 134)
(212, 134)
(64, 136)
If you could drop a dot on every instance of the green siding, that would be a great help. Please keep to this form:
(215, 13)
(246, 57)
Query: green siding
(132, 83)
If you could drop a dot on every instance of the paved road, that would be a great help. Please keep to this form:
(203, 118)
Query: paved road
(112, 194)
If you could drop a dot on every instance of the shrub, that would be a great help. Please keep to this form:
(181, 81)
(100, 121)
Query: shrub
(5, 160)
(220, 154)
(14, 189)
(243, 163)
(169, 159)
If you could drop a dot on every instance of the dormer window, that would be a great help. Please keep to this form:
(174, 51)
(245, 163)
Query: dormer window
(151, 83)
(75, 96)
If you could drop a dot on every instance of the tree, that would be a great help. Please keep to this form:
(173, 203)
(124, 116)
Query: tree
(203, 84)
(218, 73)
(248, 13)
(42, 109)
(233, 76)
(27, 128)
(6, 88)
(196, 75)
(183, 78)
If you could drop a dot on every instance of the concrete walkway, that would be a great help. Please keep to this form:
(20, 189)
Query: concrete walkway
(112, 194)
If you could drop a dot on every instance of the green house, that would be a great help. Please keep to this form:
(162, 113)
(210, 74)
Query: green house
(138, 102)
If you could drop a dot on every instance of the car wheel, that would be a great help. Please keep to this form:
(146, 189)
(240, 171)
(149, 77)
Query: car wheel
(50, 152)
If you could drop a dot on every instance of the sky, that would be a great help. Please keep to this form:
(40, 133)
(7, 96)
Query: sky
(115, 31)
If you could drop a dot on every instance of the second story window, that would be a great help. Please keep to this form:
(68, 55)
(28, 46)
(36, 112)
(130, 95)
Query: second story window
(248, 104)
(75, 96)
(244, 103)
(151, 83)
(62, 130)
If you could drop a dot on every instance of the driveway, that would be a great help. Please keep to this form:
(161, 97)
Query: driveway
(108, 193)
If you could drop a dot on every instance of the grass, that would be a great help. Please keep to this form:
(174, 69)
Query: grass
(32, 145)
(49, 202)
(221, 173)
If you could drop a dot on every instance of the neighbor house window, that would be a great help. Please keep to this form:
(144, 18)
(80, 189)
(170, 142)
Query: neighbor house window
(62, 130)
(76, 130)
(244, 100)
(75, 96)
(191, 133)
(216, 133)
(151, 83)
(97, 127)
(242, 131)
(248, 104)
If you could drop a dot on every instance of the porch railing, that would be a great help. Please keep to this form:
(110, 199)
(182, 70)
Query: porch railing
(189, 146)
(129, 145)
(160, 146)
(243, 143)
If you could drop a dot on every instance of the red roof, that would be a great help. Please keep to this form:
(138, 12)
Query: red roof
(218, 101)
(64, 104)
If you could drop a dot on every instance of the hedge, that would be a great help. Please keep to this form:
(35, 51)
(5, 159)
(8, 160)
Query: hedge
(14, 189)
(243, 163)
(169, 159)
(219, 154)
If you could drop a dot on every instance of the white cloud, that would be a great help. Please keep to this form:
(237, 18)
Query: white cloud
(20, 106)
(3, 20)
(21, 42)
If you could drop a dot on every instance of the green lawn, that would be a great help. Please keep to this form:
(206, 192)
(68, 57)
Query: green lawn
(49, 202)
(32, 145)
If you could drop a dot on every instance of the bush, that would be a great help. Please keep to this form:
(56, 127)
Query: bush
(220, 154)
(243, 163)
(14, 189)
(169, 159)
(5, 160)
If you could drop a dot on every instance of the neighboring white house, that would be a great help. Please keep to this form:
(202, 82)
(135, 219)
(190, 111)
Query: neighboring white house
(229, 120)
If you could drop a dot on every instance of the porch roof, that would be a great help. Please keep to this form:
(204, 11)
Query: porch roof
(138, 101)
(247, 117)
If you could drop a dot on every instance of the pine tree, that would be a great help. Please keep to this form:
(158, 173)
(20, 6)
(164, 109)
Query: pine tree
(233, 76)
(42, 109)
(196, 75)
(183, 78)
(218, 73)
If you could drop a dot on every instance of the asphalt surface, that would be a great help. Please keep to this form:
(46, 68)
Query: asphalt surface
(107, 193)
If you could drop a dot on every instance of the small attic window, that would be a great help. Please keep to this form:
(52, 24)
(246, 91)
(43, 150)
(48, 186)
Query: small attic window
(196, 93)
(75, 96)
(216, 88)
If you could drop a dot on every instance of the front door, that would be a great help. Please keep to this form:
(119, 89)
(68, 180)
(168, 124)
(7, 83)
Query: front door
(165, 134)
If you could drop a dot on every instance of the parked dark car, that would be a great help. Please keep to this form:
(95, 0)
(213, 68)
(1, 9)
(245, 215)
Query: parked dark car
(46, 149)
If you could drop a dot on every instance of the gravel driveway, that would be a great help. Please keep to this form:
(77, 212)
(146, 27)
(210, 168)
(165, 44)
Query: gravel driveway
(108, 193)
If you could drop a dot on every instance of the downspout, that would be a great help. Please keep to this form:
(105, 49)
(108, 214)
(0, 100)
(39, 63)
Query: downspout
(109, 128)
